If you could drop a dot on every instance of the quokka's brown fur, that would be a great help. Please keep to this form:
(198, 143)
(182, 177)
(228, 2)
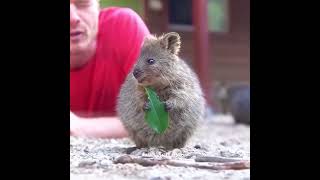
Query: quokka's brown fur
(176, 85)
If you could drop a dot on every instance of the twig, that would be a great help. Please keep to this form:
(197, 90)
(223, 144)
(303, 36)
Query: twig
(203, 165)
(216, 159)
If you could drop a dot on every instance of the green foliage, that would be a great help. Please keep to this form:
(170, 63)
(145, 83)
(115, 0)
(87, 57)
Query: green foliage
(217, 15)
(157, 118)
(133, 4)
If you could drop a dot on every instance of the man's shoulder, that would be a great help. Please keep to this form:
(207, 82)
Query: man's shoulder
(121, 30)
(117, 14)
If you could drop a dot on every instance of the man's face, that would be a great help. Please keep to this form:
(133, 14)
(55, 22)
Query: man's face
(83, 25)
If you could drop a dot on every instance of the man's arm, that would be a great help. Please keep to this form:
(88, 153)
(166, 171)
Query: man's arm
(106, 127)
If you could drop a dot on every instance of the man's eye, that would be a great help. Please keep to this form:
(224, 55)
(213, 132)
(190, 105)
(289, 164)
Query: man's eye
(150, 61)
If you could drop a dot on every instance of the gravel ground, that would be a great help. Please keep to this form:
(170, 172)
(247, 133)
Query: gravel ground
(218, 136)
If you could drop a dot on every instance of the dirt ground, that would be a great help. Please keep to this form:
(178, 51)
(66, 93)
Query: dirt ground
(94, 158)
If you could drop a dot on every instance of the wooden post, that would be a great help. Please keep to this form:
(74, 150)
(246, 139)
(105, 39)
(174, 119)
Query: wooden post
(201, 46)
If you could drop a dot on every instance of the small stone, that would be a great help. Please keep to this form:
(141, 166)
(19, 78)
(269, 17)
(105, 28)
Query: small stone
(130, 150)
(105, 162)
(224, 143)
(86, 149)
(86, 163)
(156, 178)
(191, 156)
(197, 146)
(123, 159)
(160, 178)
(176, 151)
(146, 156)
(230, 154)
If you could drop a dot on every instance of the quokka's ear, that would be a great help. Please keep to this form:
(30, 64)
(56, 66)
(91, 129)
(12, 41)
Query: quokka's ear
(171, 42)
(149, 39)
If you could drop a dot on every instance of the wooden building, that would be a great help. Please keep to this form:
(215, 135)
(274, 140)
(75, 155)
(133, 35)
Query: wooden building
(219, 51)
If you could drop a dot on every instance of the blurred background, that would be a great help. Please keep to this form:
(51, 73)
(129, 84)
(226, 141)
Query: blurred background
(215, 39)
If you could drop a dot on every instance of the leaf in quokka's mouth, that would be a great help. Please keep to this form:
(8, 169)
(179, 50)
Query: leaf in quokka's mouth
(156, 117)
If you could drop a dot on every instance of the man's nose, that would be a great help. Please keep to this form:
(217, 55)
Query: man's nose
(74, 17)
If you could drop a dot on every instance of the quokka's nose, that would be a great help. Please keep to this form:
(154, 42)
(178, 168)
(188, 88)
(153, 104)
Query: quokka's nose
(137, 73)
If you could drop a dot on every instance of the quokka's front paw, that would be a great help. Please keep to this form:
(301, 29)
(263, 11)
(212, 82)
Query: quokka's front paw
(168, 106)
(146, 106)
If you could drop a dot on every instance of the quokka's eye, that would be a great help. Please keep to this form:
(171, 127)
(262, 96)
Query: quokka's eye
(150, 61)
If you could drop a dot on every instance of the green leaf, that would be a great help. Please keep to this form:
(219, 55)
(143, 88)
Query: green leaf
(157, 118)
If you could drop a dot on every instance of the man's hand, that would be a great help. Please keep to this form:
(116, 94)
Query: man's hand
(106, 127)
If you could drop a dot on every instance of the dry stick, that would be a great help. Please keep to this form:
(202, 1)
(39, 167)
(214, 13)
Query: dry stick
(217, 159)
(152, 162)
